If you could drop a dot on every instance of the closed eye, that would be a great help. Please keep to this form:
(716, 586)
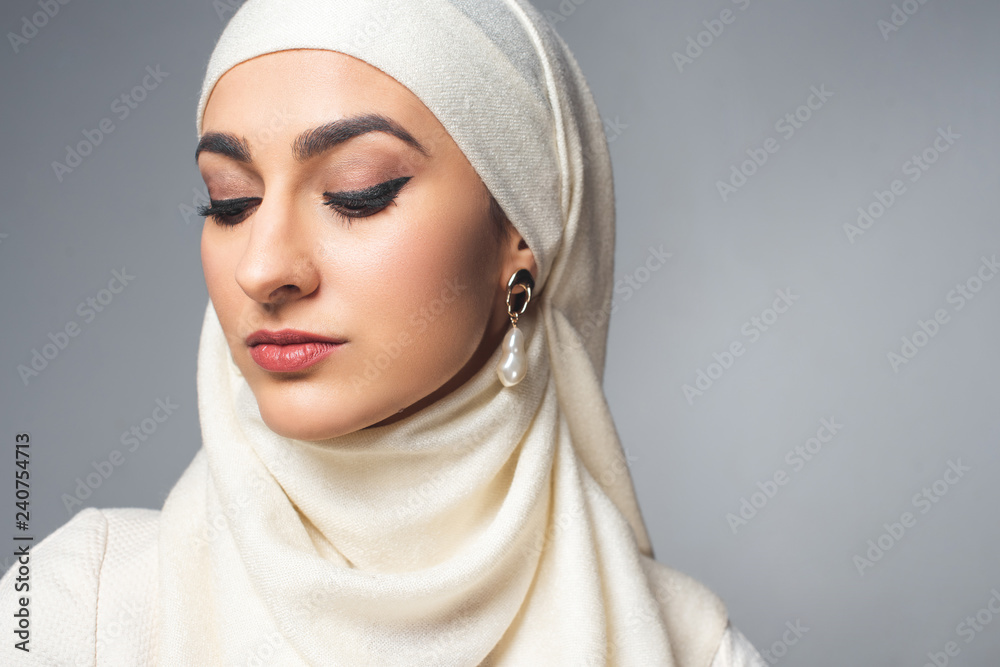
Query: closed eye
(346, 205)
(363, 203)
(229, 212)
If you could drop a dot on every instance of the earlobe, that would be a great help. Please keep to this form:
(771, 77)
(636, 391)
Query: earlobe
(513, 362)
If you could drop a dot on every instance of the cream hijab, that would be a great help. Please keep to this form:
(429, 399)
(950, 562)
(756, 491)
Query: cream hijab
(498, 526)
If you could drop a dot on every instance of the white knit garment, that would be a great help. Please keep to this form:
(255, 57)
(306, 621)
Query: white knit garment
(498, 526)
(94, 599)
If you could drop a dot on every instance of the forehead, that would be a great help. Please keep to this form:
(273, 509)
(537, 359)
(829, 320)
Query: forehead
(285, 92)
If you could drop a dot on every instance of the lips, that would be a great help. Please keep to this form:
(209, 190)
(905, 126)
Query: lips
(288, 337)
(289, 350)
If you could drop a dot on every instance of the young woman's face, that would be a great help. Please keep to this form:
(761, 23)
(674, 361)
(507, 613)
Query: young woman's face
(412, 295)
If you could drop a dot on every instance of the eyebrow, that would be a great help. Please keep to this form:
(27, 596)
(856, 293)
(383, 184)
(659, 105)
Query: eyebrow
(312, 142)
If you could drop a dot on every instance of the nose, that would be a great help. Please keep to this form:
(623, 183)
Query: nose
(277, 265)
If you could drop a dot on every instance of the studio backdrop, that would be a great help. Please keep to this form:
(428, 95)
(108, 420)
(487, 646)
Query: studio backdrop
(803, 340)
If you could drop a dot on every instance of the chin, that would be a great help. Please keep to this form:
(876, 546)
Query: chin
(287, 427)
(314, 414)
(321, 407)
(304, 415)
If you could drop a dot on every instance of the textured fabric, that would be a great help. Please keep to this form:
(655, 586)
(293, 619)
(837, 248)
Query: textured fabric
(498, 526)
(737, 651)
(94, 597)
(93, 592)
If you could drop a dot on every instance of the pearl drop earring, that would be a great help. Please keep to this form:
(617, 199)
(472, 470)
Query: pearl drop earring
(514, 358)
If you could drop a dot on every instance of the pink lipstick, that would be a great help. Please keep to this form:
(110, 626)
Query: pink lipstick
(289, 350)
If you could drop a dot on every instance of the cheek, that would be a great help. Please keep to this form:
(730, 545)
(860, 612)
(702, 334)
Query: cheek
(433, 288)
(218, 261)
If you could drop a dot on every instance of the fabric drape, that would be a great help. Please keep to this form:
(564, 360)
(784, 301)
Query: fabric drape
(498, 526)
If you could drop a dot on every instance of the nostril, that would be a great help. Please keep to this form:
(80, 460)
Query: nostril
(282, 294)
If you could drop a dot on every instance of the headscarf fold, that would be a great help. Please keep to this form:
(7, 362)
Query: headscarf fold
(497, 526)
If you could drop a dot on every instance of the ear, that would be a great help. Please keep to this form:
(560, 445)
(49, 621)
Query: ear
(517, 255)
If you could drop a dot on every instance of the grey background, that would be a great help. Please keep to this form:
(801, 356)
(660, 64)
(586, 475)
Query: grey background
(674, 133)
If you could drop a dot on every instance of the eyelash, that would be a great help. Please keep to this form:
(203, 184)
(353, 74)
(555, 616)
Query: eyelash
(356, 204)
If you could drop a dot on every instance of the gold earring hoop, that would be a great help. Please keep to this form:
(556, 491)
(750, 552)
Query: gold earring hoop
(513, 362)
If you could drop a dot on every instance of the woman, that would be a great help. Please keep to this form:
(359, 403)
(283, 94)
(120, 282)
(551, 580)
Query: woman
(407, 455)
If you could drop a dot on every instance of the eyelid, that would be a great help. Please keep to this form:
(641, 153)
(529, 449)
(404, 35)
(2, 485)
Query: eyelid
(231, 200)
(371, 192)
(374, 198)
(366, 202)
(212, 208)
